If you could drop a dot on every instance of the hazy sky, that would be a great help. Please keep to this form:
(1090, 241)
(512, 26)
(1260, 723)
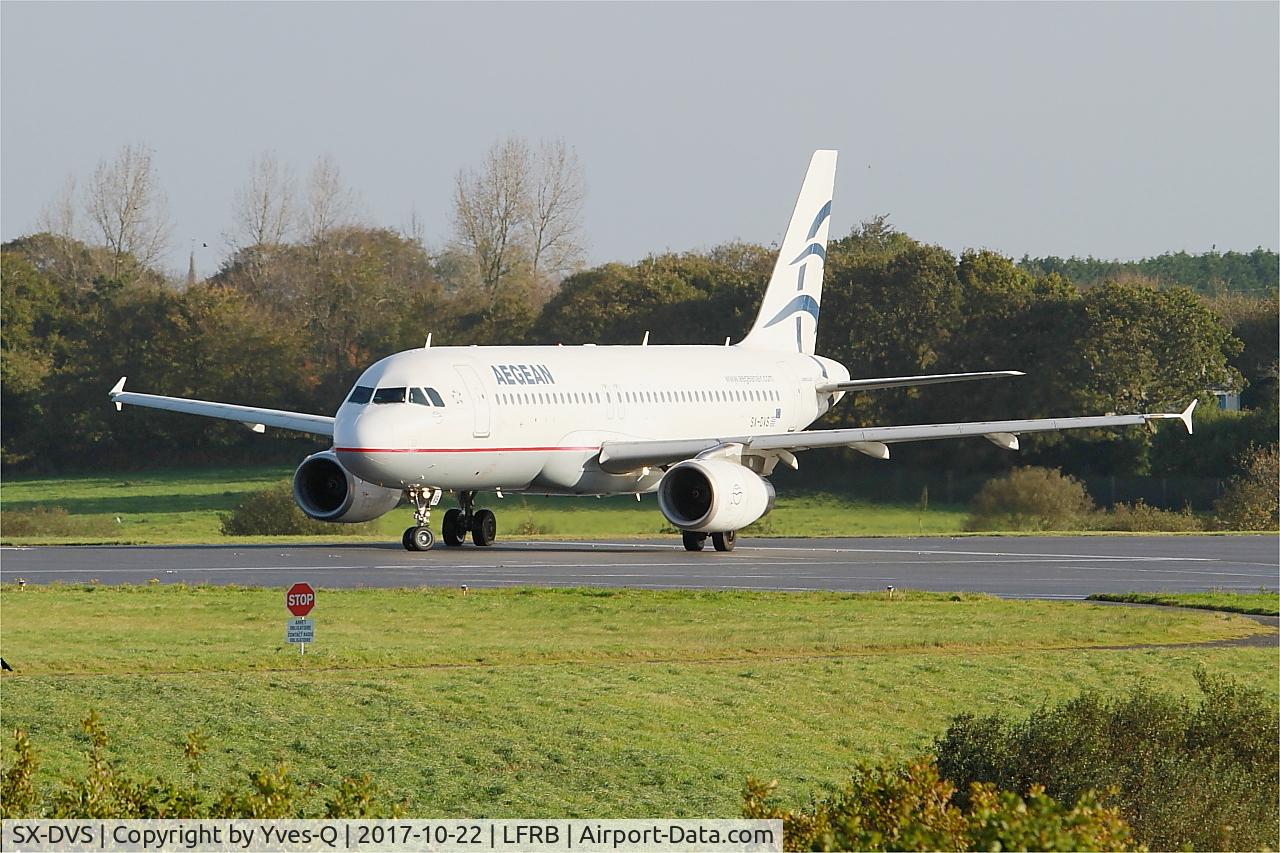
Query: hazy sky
(1105, 129)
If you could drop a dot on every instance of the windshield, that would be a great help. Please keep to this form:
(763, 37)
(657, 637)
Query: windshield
(425, 397)
(389, 395)
(360, 395)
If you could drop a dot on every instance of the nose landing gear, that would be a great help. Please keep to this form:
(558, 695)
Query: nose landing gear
(481, 524)
(419, 537)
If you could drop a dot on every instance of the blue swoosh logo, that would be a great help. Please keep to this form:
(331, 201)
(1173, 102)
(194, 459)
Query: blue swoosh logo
(822, 215)
(811, 249)
(804, 303)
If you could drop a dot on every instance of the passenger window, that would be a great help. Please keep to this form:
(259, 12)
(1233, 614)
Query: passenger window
(389, 395)
(360, 395)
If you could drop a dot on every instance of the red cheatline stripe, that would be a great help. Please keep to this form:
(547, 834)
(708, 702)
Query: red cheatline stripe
(454, 449)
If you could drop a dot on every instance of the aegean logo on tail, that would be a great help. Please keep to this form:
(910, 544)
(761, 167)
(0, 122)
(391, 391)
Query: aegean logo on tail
(805, 303)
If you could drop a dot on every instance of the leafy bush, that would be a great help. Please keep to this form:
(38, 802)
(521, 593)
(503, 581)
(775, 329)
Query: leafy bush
(273, 512)
(913, 808)
(53, 521)
(1138, 517)
(1201, 776)
(526, 524)
(106, 791)
(1030, 499)
(1251, 501)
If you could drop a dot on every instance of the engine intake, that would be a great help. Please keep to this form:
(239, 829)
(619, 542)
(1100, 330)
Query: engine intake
(326, 491)
(713, 496)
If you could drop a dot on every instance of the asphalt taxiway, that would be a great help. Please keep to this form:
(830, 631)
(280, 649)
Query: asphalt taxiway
(1015, 567)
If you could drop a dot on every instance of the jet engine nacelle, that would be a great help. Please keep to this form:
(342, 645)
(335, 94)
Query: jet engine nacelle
(713, 496)
(326, 491)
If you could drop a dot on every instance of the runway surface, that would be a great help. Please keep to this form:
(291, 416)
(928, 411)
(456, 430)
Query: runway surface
(1015, 567)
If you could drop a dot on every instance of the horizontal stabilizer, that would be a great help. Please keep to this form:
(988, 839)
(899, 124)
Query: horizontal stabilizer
(256, 419)
(909, 381)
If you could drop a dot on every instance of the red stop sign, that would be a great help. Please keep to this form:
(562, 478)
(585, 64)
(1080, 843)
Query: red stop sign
(300, 599)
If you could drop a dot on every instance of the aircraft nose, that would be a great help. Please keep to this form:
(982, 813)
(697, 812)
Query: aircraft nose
(364, 444)
(354, 431)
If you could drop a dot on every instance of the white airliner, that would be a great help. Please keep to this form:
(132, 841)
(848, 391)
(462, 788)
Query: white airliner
(703, 426)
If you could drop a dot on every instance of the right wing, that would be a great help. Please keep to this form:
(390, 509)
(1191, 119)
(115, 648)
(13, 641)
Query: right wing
(257, 419)
(619, 457)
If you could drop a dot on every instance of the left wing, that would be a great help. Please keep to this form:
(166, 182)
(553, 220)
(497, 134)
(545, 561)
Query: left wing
(619, 457)
(257, 419)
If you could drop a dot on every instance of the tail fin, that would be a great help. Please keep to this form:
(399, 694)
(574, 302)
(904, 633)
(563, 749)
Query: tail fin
(788, 318)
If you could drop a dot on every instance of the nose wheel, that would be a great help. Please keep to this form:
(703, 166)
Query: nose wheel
(481, 524)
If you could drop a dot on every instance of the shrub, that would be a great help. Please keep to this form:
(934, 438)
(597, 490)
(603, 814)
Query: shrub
(527, 525)
(273, 512)
(913, 808)
(1030, 499)
(1200, 776)
(1140, 518)
(107, 791)
(1251, 501)
(53, 521)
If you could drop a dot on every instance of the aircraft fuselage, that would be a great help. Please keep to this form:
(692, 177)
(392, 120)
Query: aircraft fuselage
(533, 418)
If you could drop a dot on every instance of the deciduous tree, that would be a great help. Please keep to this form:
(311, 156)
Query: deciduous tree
(127, 208)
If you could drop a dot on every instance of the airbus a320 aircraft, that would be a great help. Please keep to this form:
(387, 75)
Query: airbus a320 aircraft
(703, 426)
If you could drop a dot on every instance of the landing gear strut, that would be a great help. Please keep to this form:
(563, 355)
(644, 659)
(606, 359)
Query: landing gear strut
(482, 524)
(419, 537)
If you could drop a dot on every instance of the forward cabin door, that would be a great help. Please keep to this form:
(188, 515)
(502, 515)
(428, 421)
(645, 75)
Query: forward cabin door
(479, 400)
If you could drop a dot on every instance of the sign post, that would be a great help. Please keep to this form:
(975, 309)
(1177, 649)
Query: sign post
(299, 599)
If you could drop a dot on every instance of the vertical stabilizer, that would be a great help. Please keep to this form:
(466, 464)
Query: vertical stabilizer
(788, 318)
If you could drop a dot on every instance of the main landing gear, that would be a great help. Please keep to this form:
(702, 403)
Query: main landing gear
(481, 524)
(722, 541)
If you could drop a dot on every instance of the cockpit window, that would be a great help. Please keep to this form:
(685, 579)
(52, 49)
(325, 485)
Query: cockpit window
(389, 395)
(360, 395)
(425, 397)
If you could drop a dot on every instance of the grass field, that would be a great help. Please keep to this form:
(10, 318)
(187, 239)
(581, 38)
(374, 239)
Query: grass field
(185, 506)
(596, 703)
(1262, 603)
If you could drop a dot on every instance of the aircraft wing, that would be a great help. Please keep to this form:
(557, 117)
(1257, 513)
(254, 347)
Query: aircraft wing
(623, 456)
(257, 419)
(907, 381)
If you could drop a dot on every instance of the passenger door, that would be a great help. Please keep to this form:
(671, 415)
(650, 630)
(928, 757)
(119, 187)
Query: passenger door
(479, 400)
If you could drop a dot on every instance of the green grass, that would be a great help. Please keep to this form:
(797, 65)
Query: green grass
(1261, 603)
(600, 703)
(185, 506)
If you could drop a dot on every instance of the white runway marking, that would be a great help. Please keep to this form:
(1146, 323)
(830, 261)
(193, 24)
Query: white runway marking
(914, 551)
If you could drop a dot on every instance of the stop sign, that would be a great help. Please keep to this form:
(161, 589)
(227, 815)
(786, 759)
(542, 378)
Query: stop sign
(300, 599)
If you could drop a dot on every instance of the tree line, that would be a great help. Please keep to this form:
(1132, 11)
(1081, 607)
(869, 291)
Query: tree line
(310, 293)
(1256, 272)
